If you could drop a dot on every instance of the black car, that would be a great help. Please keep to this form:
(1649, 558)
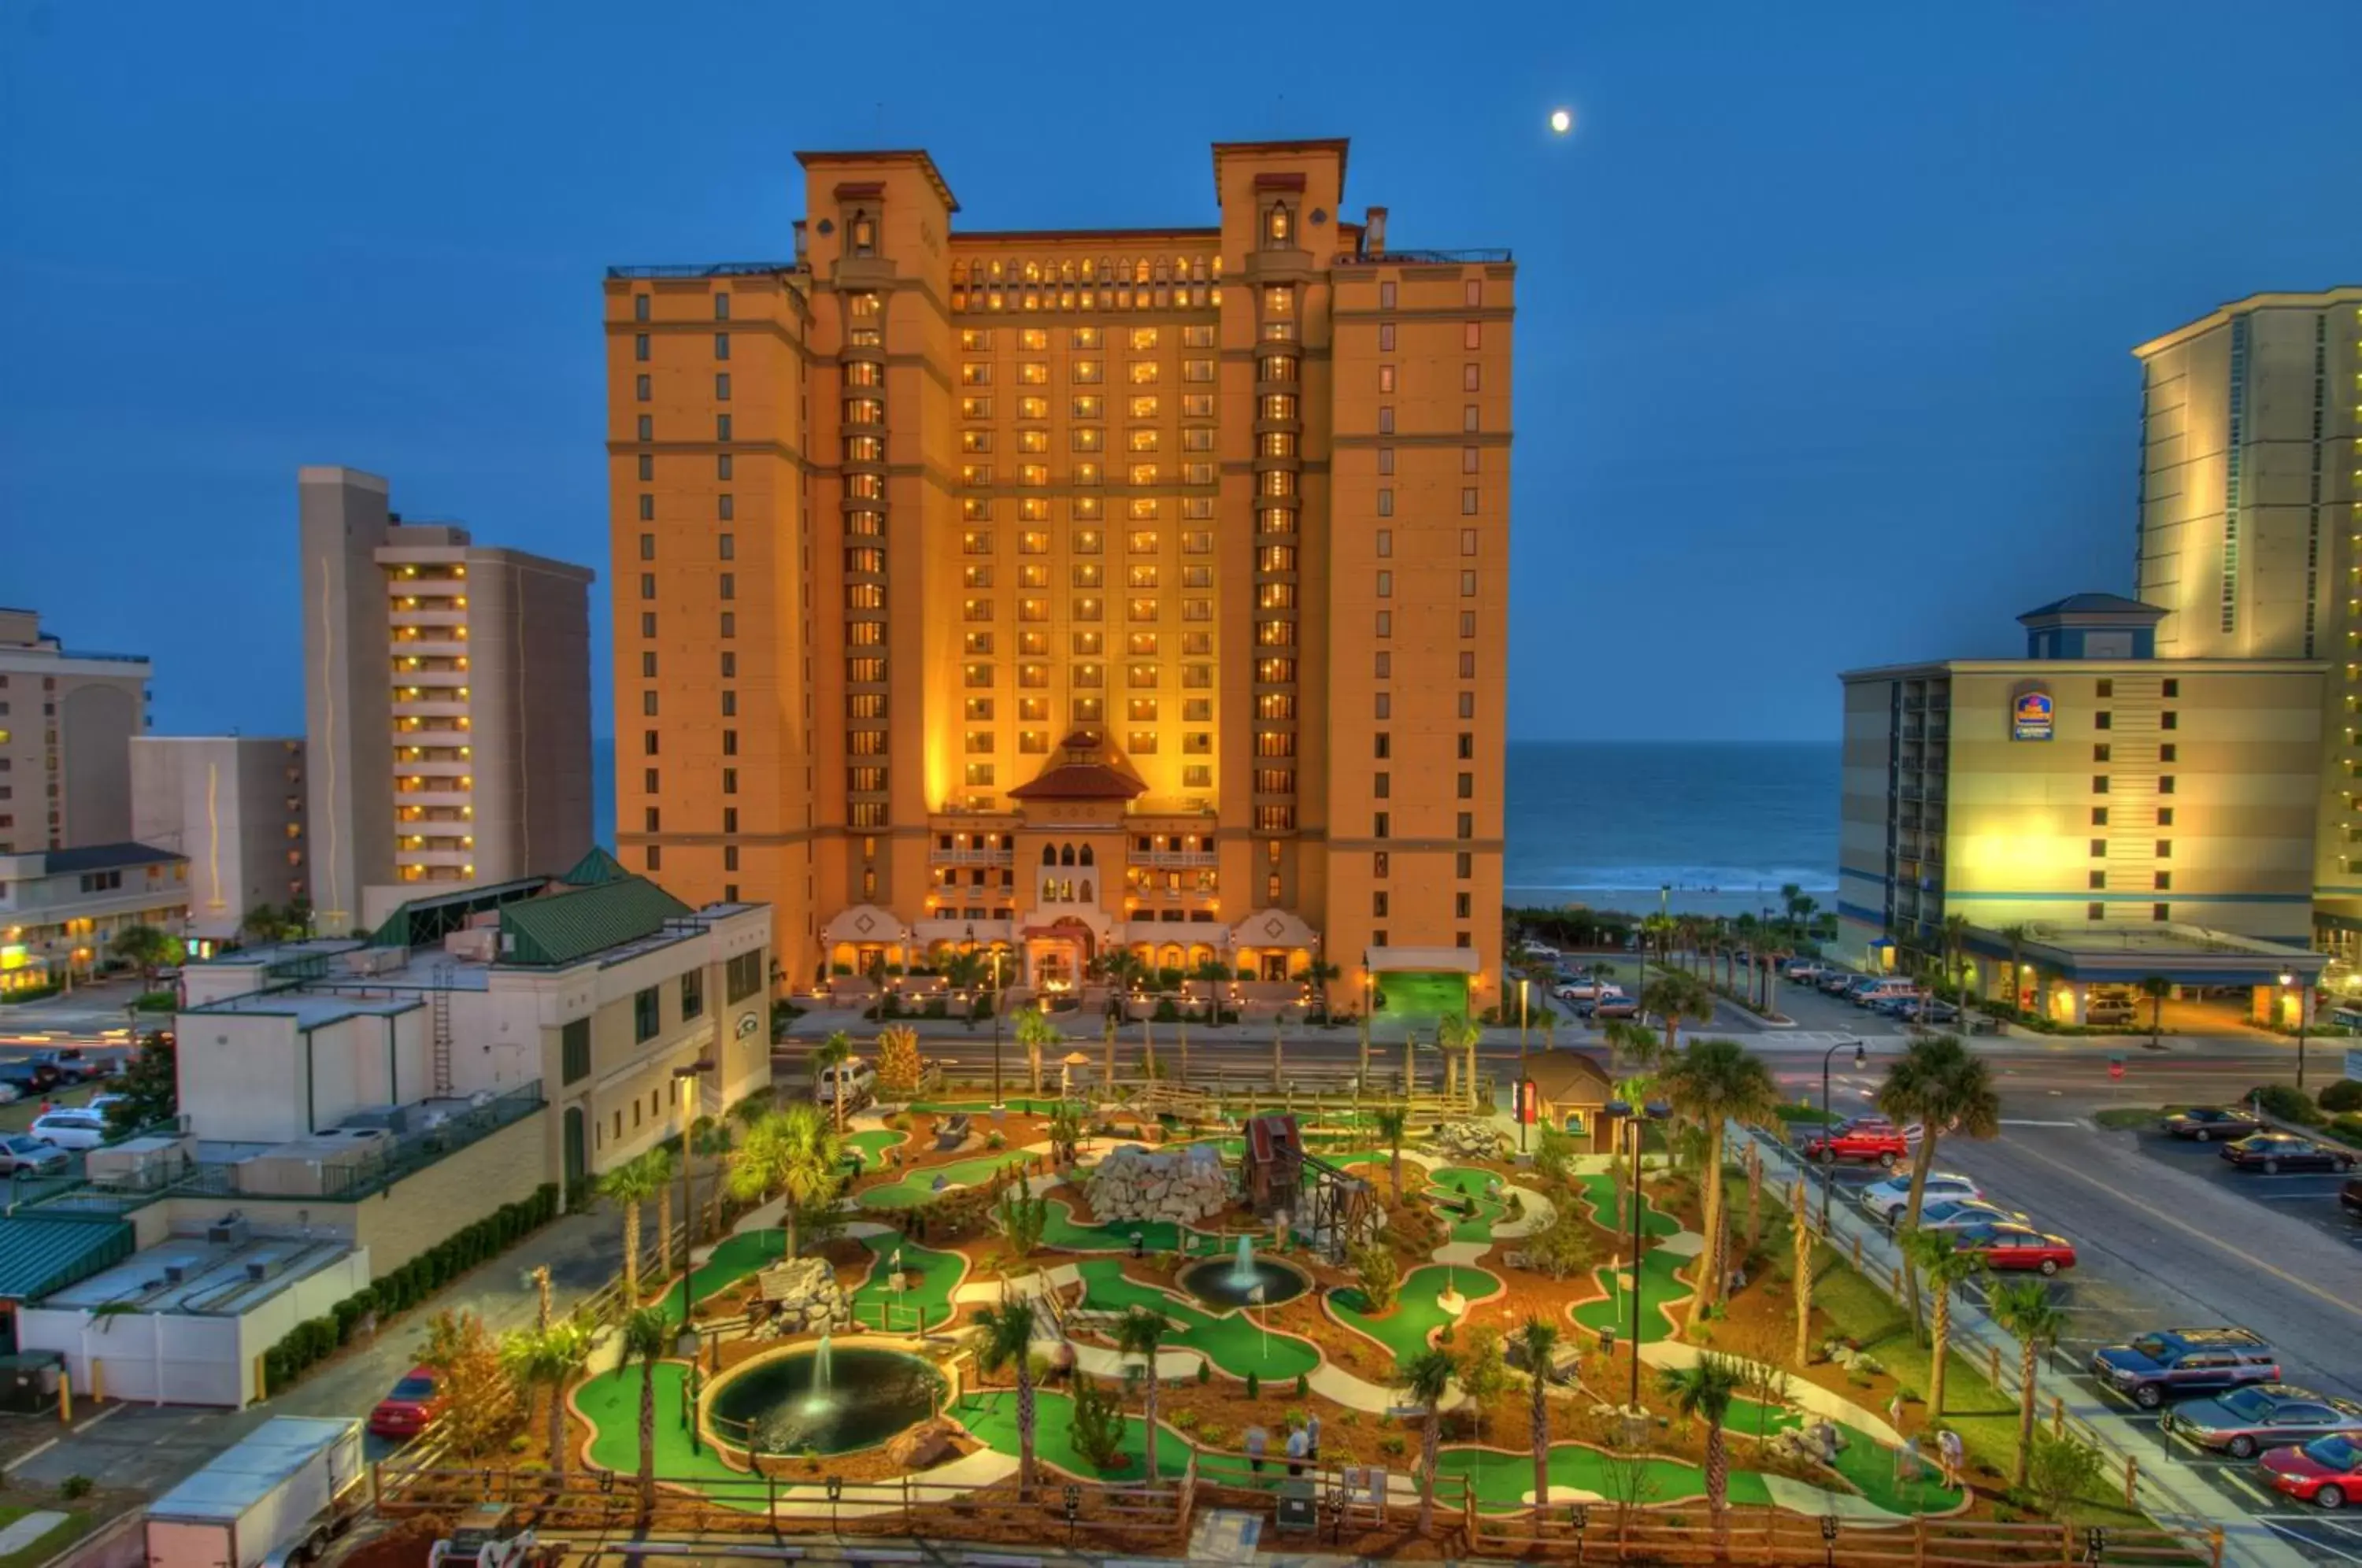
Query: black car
(2179, 1364)
(2271, 1414)
(2210, 1123)
(2272, 1152)
(28, 1078)
(2350, 1196)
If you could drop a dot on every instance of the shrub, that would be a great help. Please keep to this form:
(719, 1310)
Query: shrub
(74, 1486)
(1304, 1386)
(2346, 1094)
(1380, 1275)
(1204, 1371)
(1097, 1425)
(2347, 1126)
(1166, 1011)
(1255, 1387)
(2288, 1103)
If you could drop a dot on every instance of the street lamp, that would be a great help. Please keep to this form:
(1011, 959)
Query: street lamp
(1525, 986)
(1633, 1117)
(1860, 1061)
(2304, 1006)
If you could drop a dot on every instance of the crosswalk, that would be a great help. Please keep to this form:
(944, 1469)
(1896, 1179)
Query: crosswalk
(1822, 1039)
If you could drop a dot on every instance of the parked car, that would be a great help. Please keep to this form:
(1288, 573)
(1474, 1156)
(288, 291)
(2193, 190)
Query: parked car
(856, 1082)
(2272, 1152)
(1931, 1010)
(2204, 1123)
(28, 1078)
(1887, 1199)
(1539, 953)
(1804, 972)
(1884, 988)
(2326, 1471)
(1577, 991)
(71, 1065)
(1615, 1006)
(1962, 1213)
(72, 1128)
(10, 1093)
(23, 1152)
(1837, 982)
(409, 1406)
(2017, 1248)
(2245, 1421)
(2349, 1197)
(2107, 1011)
(1863, 1138)
(2179, 1364)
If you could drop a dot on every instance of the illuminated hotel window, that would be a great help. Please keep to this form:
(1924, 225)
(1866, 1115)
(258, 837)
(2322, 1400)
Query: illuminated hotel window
(1034, 340)
(1088, 373)
(1089, 438)
(976, 440)
(1088, 542)
(1032, 440)
(1144, 372)
(1089, 405)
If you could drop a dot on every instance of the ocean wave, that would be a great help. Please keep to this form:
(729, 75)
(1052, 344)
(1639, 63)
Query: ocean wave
(1691, 879)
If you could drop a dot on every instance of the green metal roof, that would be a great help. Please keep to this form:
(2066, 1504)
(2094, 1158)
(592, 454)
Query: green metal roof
(593, 869)
(561, 927)
(423, 922)
(38, 1256)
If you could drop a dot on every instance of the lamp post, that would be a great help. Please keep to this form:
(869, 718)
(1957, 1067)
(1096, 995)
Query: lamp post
(1633, 1117)
(1525, 986)
(2304, 1006)
(1860, 1061)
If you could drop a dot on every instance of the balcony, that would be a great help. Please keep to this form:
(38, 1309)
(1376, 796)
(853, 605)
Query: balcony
(971, 857)
(1175, 859)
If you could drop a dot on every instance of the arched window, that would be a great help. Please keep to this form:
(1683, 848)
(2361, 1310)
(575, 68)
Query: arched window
(1278, 224)
(1139, 270)
(1087, 891)
(1066, 854)
(1049, 856)
(865, 233)
(1087, 855)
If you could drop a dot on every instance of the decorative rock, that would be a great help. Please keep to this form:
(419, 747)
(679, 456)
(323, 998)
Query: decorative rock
(1470, 1140)
(1180, 1185)
(922, 1446)
(803, 1295)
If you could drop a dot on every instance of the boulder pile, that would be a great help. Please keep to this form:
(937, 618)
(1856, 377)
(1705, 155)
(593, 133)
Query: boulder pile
(1181, 1185)
(1470, 1140)
(802, 1296)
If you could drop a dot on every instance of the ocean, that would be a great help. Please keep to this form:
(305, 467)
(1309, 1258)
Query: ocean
(1607, 824)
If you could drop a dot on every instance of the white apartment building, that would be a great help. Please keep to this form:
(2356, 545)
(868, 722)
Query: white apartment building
(235, 806)
(447, 704)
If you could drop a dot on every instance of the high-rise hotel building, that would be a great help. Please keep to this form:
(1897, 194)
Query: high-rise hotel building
(1071, 589)
(2251, 523)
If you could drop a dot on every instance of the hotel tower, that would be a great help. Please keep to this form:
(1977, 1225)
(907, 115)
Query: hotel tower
(1059, 592)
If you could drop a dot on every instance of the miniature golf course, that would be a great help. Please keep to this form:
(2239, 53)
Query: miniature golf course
(917, 1187)
(1407, 1329)
(863, 1150)
(1233, 1342)
(1465, 1187)
(1064, 1233)
(929, 1277)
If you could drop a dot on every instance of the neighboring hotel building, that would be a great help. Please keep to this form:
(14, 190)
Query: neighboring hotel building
(2251, 525)
(60, 908)
(447, 704)
(1071, 589)
(2114, 801)
(66, 716)
(235, 806)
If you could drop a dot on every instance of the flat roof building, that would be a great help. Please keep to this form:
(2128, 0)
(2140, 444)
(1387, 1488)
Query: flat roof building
(66, 716)
(447, 704)
(1070, 590)
(2251, 525)
(235, 805)
(60, 908)
(2090, 788)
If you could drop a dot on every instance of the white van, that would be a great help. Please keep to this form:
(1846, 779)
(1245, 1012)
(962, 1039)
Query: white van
(856, 1082)
(1883, 988)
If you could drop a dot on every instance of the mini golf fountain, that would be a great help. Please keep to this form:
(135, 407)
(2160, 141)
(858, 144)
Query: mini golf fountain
(823, 1397)
(1243, 1279)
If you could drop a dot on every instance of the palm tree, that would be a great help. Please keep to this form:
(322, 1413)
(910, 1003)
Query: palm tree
(965, 972)
(1425, 1376)
(1713, 1083)
(1138, 1332)
(1009, 1341)
(2156, 987)
(1629, 1040)
(1279, 1058)
(647, 1336)
(1791, 895)
(1320, 974)
(1704, 1391)
(1801, 1239)
(1036, 1033)
(1938, 1254)
(1457, 1033)
(1956, 937)
(2016, 936)
(791, 1150)
(2023, 1309)
(836, 1048)
(1674, 997)
(1657, 931)
(663, 1167)
(1937, 1083)
(1539, 1337)
(632, 1184)
(1391, 1120)
(550, 1358)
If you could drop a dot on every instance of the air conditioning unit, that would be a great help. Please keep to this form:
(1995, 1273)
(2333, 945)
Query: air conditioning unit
(264, 1265)
(376, 960)
(476, 945)
(229, 1230)
(393, 1119)
(177, 1270)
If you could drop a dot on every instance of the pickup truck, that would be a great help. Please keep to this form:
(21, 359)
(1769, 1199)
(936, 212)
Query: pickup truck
(1864, 1138)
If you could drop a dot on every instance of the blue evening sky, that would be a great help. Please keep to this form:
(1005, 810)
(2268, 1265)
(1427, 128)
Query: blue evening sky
(1824, 311)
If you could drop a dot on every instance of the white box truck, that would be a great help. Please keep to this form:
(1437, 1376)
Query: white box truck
(278, 1497)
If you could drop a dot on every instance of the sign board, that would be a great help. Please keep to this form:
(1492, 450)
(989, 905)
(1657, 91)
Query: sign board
(2031, 714)
(2115, 1070)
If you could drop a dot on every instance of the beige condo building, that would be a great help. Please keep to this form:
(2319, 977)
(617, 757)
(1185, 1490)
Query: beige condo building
(2251, 525)
(1062, 591)
(447, 704)
(66, 717)
(235, 806)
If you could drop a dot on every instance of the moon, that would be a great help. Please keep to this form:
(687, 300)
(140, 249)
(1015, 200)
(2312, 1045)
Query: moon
(1562, 121)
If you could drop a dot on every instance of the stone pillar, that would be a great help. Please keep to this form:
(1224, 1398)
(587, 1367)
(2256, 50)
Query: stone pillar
(2079, 999)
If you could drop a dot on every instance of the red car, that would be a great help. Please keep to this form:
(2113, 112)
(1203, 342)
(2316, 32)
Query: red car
(2327, 1471)
(414, 1403)
(2018, 1247)
(1863, 1138)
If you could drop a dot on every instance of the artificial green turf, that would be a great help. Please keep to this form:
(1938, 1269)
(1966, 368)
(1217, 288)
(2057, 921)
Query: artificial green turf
(1600, 1189)
(737, 1257)
(1027, 1107)
(611, 1403)
(1659, 1290)
(1419, 997)
(1416, 1316)
(990, 1417)
(918, 1187)
(938, 1276)
(1503, 1480)
(862, 1150)
(1233, 1342)
(1466, 1183)
(1063, 1233)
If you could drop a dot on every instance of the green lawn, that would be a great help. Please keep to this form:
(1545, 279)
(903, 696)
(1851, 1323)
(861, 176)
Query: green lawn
(863, 1150)
(990, 1415)
(1423, 998)
(919, 1185)
(2119, 1116)
(1026, 1106)
(1659, 1290)
(1462, 1182)
(1407, 1329)
(77, 1523)
(732, 1261)
(1601, 1190)
(1234, 1342)
(1064, 1233)
(875, 1302)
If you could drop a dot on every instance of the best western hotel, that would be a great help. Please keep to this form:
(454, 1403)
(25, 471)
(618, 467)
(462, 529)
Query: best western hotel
(1070, 590)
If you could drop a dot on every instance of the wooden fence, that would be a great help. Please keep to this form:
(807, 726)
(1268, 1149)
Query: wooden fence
(1604, 1532)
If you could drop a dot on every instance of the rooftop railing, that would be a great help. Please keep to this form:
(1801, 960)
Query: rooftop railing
(705, 270)
(1420, 258)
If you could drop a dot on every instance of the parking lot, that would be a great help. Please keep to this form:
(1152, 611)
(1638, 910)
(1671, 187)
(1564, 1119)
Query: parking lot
(2168, 1235)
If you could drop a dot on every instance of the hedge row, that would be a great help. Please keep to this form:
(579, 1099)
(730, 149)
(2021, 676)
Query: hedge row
(316, 1339)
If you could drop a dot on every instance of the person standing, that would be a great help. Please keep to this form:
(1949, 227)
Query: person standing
(1257, 1441)
(1951, 1457)
(1312, 1438)
(1295, 1448)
